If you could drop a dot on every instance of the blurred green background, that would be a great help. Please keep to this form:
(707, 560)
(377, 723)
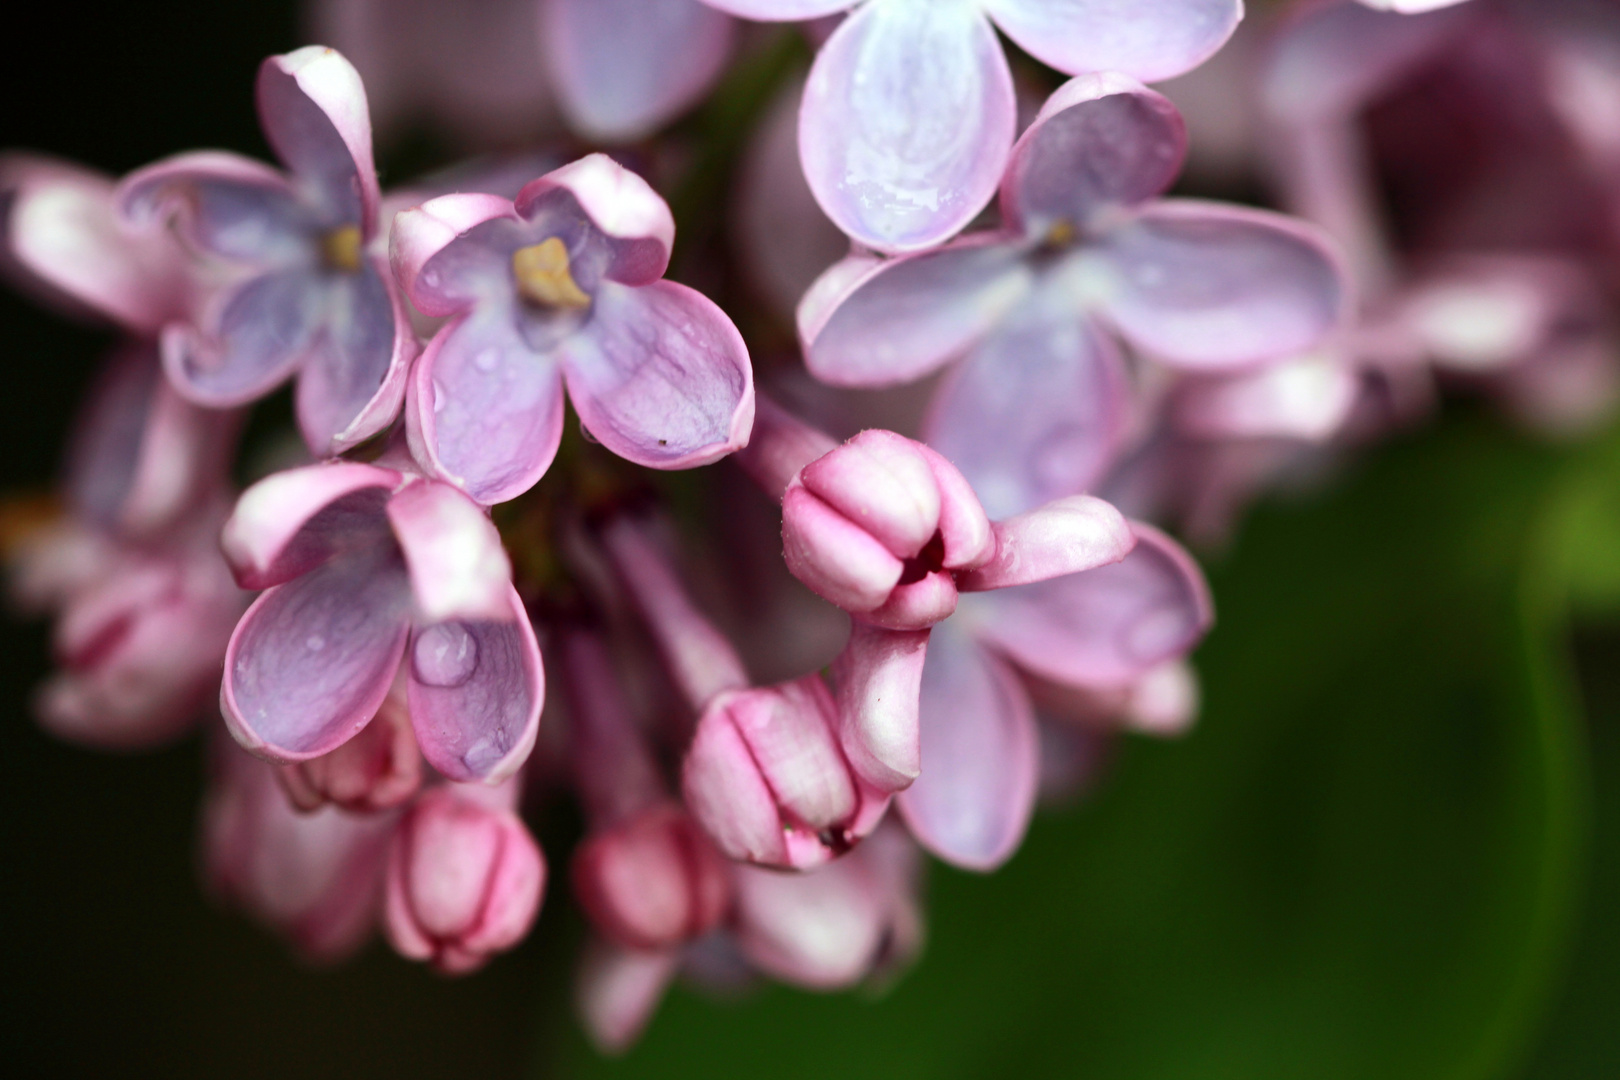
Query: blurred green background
(1390, 849)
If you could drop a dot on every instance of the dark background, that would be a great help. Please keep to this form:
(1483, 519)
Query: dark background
(1392, 848)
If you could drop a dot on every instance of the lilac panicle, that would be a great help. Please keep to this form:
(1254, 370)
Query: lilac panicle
(364, 568)
(311, 295)
(909, 111)
(563, 287)
(464, 878)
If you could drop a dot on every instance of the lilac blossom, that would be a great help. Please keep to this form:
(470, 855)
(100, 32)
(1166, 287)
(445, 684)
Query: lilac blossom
(909, 111)
(464, 877)
(563, 287)
(1085, 245)
(364, 567)
(378, 769)
(311, 295)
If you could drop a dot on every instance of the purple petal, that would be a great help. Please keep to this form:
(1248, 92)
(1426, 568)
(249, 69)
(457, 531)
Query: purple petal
(458, 568)
(253, 341)
(1104, 627)
(63, 232)
(618, 990)
(1309, 398)
(475, 693)
(223, 204)
(1150, 41)
(877, 678)
(313, 110)
(623, 68)
(353, 383)
(1102, 142)
(821, 930)
(312, 660)
(781, 10)
(629, 215)
(971, 803)
(1038, 410)
(867, 323)
(1212, 286)
(468, 272)
(906, 122)
(660, 376)
(1067, 536)
(485, 411)
(142, 455)
(290, 522)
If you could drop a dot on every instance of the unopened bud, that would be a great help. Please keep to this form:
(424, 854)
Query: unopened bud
(652, 881)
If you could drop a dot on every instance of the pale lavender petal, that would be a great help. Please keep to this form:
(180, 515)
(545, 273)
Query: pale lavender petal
(618, 989)
(313, 110)
(475, 693)
(630, 216)
(62, 230)
(458, 568)
(1104, 627)
(1309, 398)
(906, 123)
(972, 800)
(463, 276)
(223, 204)
(781, 10)
(822, 929)
(312, 660)
(485, 412)
(1210, 286)
(256, 338)
(290, 522)
(623, 68)
(897, 321)
(353, 382)
(1037, 412)
(883, 482)
(1101, 143)
(661, 376)
(1067, 536)
(1150, 41)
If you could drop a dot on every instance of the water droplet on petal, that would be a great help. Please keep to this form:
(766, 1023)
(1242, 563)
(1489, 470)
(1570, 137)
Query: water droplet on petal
(314, 643)
(486, 360)
(444, 655)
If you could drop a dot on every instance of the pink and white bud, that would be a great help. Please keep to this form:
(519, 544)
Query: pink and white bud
(653, 881)
(464, 880)
(767, 777)
(378, 769)
(617, 991)
(880, 525)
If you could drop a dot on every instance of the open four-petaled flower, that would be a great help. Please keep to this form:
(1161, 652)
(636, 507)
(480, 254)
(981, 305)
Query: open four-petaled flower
(309, 293)
(564, 286)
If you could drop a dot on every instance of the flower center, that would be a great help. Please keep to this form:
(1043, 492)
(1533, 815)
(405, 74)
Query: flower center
(543, 278)
(341, 247)
(1060, 235)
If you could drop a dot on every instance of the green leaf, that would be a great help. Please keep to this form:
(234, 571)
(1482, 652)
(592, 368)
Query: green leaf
(1361, 864)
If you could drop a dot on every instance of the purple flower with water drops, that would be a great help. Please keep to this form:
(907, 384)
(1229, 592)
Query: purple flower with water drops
(1087, 252)
(364, 567)
(563, 287)
(909, 112)
(311, 295)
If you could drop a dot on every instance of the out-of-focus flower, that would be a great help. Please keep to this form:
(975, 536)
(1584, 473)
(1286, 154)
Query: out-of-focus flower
(564, 286)
(378, 769)
(497, 72)
(1086, 245)
(364, 566)
(311, 293)
(464, 878)
(316, 878)
(909, 111)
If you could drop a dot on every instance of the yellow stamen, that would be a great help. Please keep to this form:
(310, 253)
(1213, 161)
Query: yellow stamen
(1061, 234)
(342, 248)
(542, 275)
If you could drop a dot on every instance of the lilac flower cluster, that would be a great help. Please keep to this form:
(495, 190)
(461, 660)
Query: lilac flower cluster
(766, 727)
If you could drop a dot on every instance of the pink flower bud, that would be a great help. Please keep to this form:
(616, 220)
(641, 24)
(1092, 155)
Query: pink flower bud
(652, 881)
(767, 778)
(880, 525)
(464, 881)
(378, 769)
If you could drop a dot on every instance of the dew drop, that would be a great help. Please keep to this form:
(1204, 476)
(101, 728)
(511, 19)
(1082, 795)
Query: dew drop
(486, 360)
(314, 643)
(444, 655)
